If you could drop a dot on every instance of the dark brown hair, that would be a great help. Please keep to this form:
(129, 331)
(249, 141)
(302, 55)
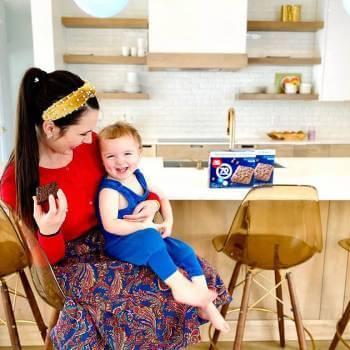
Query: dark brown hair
(39, 90)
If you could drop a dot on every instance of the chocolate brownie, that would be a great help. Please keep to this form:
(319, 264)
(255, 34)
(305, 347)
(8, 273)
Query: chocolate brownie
(263, 171)
(43, 192)
(242, 175)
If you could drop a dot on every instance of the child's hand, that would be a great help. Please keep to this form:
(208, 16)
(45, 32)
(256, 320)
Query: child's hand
(143, 212)
(165, 228)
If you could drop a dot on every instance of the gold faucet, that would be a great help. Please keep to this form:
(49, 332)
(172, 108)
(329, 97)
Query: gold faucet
(231, 127)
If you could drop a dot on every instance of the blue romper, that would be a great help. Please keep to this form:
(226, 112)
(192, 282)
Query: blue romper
(146, 247)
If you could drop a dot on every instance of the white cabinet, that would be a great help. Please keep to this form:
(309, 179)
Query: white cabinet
(333, 75)
(205, 29)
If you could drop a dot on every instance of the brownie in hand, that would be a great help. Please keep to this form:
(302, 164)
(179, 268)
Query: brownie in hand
(43, 192)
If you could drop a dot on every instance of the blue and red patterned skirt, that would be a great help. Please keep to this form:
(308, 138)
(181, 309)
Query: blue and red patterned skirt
(116, 305)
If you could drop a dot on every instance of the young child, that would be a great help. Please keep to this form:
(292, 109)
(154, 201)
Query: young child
(146, 243)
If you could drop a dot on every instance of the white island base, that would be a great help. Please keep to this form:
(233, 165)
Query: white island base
(322, 283)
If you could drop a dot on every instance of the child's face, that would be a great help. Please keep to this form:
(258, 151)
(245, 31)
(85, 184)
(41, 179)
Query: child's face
(120, 156)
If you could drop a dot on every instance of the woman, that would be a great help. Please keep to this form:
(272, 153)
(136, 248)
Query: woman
(109, 304)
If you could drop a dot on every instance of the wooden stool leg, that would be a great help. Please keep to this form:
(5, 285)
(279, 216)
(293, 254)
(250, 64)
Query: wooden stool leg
(342, 323)
(33, 304)
(225, 307)
(243, 312)
(10, 317)
(280, 309)
(53, 320)
(296, 313)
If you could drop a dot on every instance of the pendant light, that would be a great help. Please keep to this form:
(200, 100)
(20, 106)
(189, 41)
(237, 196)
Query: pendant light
(101, 8)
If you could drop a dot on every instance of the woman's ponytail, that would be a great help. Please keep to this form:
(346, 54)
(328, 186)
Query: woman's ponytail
(26, 152)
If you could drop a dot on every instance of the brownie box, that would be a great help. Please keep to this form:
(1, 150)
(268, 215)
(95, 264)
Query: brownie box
(229, 169)
(265, 159)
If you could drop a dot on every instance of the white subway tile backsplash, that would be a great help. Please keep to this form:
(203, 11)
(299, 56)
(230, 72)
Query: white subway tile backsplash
(195, 103)
(270, 10)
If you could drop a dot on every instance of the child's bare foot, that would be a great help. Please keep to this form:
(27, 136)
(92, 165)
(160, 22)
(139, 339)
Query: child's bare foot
(187, 292)
(212, 314)
(191, 294)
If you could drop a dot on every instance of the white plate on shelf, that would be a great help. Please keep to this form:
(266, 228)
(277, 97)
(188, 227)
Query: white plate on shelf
(252, 90)
(110, 90)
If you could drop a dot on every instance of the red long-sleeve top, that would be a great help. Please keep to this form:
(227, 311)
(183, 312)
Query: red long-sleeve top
(79, 181)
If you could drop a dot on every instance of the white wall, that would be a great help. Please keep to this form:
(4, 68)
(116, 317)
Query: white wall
(16, 52)
(47, 34)
(195, 103)
(43, 34)
(4, 95)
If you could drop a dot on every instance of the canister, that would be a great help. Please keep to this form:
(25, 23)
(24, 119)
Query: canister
(286, 13)
(296, 10)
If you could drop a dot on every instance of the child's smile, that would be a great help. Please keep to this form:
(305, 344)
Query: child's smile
(120, 156)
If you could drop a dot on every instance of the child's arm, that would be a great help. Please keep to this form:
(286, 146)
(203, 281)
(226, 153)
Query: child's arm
(109, 206)
(146, 210)
(166, 211)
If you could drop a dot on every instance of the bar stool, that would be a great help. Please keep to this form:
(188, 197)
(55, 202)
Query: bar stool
(344, 320)
(20, 249)
(275, 227)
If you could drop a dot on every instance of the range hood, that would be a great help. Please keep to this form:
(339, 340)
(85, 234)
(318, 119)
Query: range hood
(197, 34)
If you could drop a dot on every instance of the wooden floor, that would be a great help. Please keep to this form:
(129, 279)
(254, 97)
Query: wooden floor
(320, 345)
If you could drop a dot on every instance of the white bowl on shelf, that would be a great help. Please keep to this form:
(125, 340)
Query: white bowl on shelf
(132, 78)
(131, 88)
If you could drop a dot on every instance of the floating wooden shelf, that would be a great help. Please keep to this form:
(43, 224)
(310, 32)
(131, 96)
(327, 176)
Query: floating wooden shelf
(90, 22)
(119, 95)
(142, 23)
(223, 61)
(276, 26)
(289, 97)
(96, 59)
(284, 61)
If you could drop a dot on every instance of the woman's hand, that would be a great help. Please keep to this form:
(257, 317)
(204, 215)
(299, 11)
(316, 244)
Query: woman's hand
(143, 212)
(50, 222)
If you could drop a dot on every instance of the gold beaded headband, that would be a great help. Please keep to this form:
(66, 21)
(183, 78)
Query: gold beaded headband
(69, 103)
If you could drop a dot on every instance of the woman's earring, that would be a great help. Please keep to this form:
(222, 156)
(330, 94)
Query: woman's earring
(49, 136)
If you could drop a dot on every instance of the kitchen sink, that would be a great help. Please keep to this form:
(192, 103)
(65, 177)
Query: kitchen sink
(195, 164)
(203, 140)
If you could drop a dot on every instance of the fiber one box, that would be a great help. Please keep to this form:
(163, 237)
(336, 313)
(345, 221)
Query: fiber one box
(231, 169)
(265, 159)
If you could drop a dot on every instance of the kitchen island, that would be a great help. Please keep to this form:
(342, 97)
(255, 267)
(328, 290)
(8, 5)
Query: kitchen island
(201, 213)
(329, 175)
(323, 285)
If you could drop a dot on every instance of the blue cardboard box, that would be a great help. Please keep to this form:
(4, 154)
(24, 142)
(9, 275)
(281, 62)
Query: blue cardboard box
(265, 159)
(229, 169)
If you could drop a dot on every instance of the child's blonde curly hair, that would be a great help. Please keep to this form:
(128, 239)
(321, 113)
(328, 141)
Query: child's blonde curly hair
(120, 129)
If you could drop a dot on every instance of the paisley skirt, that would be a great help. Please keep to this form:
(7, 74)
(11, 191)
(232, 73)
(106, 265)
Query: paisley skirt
(111, 304)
